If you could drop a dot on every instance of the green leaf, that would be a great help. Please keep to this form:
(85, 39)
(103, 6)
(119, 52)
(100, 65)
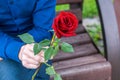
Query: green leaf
(57, 40)
(56, 50)
(37, 48)
(50, 70)
(26, 38)
(57, 77)
(48, 53)
(45, 42)
(65, 47)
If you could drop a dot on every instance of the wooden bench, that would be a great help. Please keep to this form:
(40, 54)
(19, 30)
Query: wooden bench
(87, 63)
(116, 56)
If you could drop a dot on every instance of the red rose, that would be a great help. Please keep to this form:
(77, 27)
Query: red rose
(65, 24)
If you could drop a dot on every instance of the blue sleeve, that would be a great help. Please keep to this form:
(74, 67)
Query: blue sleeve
(9, 47)
(43, 16)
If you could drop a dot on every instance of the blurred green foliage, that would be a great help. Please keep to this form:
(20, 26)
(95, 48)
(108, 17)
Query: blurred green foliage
(62, 7)
(89, 9)
(96, 34)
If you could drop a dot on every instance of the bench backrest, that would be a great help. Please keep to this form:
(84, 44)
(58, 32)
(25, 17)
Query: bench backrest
(110, 34)
(117, 10)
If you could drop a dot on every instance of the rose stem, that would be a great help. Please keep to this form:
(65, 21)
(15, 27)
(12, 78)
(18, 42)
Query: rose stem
(34, 75)
(39, 69)
(53, 38)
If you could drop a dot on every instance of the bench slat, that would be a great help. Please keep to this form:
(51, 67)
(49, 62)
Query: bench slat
(91, 71)
(82, 61)
(78, 39)
(81, 50)
(68, 1)
(80, 29)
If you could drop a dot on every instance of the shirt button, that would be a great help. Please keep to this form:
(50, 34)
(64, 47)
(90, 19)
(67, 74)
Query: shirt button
(11, 2)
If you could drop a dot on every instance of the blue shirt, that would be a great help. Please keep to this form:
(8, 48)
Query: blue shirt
(21, 16)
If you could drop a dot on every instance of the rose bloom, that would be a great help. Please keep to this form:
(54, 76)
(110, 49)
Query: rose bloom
(65, 24)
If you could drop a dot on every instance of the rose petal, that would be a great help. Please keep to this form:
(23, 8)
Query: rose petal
(65, 24)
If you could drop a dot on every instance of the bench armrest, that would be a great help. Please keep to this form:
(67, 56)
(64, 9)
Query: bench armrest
(111, 35)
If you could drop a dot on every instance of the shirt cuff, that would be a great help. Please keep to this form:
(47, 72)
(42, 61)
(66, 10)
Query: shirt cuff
(12, 50)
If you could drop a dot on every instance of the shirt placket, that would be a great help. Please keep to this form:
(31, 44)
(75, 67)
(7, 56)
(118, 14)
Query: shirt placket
(12, 10)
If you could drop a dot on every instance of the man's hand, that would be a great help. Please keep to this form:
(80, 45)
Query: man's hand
(1, 59)
(28, 59)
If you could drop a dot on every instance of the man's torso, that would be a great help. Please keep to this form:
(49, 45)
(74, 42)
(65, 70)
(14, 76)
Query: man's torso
(16, 16)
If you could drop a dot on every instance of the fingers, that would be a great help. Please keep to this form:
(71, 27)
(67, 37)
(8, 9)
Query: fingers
(29, 47)
(30, 66)
(1, 59)
(30, 62)
(28, 59)
(30, 54)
